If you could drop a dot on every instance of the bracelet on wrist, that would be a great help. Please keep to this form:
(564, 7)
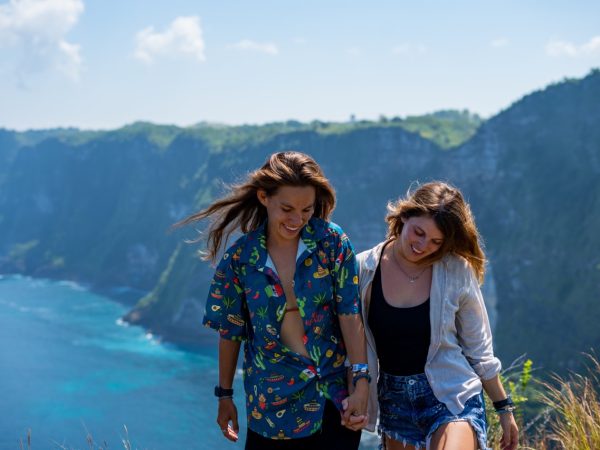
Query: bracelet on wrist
(361, 367)
(359, 375)
(508, 409)
(221, 393)
(501, 404)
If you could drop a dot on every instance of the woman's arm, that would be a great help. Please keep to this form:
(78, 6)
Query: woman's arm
(475, 336)
(510, 432)
(228, 356)
(474, 331)
(347, 304)
(226, 285)
(354, 337)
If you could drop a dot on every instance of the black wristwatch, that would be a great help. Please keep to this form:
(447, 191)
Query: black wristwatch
(222, 392)
(502, 404)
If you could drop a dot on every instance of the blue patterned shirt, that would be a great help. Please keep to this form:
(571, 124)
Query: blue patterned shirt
(286, 391)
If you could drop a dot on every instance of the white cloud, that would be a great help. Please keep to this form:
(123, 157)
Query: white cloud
(499, 42)
(564, 48)
(37, 29)
(253, 46)
(409, 49)
(182, 37)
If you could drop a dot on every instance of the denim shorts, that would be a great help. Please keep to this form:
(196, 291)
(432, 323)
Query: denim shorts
(410, 413)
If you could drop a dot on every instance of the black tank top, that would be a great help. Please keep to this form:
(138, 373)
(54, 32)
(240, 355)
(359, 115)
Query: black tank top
(402, 335)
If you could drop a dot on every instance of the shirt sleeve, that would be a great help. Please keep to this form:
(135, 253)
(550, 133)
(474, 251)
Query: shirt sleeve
(347, 297)
(474, 331)
(226, 310)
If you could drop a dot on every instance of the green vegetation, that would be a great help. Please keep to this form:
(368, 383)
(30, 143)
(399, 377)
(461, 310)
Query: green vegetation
(574, 410)
(517, 381)
(448, 129)
(98, 205)
(72, 136)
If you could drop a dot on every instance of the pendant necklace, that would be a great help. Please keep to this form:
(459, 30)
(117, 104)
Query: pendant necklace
(411, 278)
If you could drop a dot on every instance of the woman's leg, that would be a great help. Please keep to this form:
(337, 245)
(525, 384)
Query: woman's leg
(454, 436)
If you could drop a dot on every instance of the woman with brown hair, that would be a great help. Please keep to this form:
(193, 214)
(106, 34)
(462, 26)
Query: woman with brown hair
(288, 288)
(427, 328)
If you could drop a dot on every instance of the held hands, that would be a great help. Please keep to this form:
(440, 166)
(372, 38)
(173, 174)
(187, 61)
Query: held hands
(510, 432)
(355, 415)
(228, 413)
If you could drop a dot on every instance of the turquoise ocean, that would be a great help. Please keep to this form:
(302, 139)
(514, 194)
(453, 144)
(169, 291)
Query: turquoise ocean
(70, 370)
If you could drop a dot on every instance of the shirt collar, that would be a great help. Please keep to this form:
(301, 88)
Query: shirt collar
(255, 246)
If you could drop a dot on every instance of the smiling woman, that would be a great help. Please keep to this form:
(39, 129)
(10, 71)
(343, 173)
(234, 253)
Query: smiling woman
(427, 327)
(288, 288)
(288, 210)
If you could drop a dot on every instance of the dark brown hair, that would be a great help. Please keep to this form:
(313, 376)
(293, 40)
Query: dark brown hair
(452, 215)
(240, 208)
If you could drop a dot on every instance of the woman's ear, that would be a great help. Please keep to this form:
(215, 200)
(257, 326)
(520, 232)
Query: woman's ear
(262, 196)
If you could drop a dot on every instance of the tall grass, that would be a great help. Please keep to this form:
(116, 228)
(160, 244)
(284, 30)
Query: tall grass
(91, 443)
(560, 414)
(574, 422)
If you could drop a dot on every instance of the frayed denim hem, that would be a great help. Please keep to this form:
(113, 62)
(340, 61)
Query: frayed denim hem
(481, 436)
(418, 445)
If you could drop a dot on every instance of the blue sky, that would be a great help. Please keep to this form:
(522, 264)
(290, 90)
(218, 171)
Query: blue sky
(105, 63)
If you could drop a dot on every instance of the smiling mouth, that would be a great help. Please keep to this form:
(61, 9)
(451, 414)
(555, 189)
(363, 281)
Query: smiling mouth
(291, 229)
(418, 252)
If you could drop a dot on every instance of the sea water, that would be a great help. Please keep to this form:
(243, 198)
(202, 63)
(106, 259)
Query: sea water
(73, 374)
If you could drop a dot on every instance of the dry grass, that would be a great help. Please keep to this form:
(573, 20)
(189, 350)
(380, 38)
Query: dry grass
(569, 417)
(574, 423)
(91, 443)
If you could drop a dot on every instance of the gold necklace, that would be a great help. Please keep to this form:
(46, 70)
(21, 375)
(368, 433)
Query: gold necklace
(411, 278)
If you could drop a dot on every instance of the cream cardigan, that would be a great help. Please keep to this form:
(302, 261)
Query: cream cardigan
(460, 353)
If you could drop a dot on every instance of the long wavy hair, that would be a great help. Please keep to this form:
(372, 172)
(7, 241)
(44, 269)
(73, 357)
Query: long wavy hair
(452, 215)
(240, 208)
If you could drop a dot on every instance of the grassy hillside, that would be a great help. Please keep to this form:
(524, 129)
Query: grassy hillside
(96, 206)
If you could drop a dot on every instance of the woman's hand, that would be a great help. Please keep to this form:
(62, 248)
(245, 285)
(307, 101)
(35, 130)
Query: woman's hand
(510, 432)
(355, 415)
(228, 413)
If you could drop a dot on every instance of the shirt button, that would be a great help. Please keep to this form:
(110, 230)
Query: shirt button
(411, 382)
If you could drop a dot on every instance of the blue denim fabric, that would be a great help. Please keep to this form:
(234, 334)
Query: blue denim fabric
(410, 413)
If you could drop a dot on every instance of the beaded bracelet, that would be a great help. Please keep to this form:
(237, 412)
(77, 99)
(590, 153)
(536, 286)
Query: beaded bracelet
(358, 375)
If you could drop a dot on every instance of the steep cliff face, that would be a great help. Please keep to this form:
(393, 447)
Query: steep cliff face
(533, 179)
(533, 176)
(96, 207)
(97, 213)
(368, 168)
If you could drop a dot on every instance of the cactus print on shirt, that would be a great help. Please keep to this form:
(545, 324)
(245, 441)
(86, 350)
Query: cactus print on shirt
(286, 391)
